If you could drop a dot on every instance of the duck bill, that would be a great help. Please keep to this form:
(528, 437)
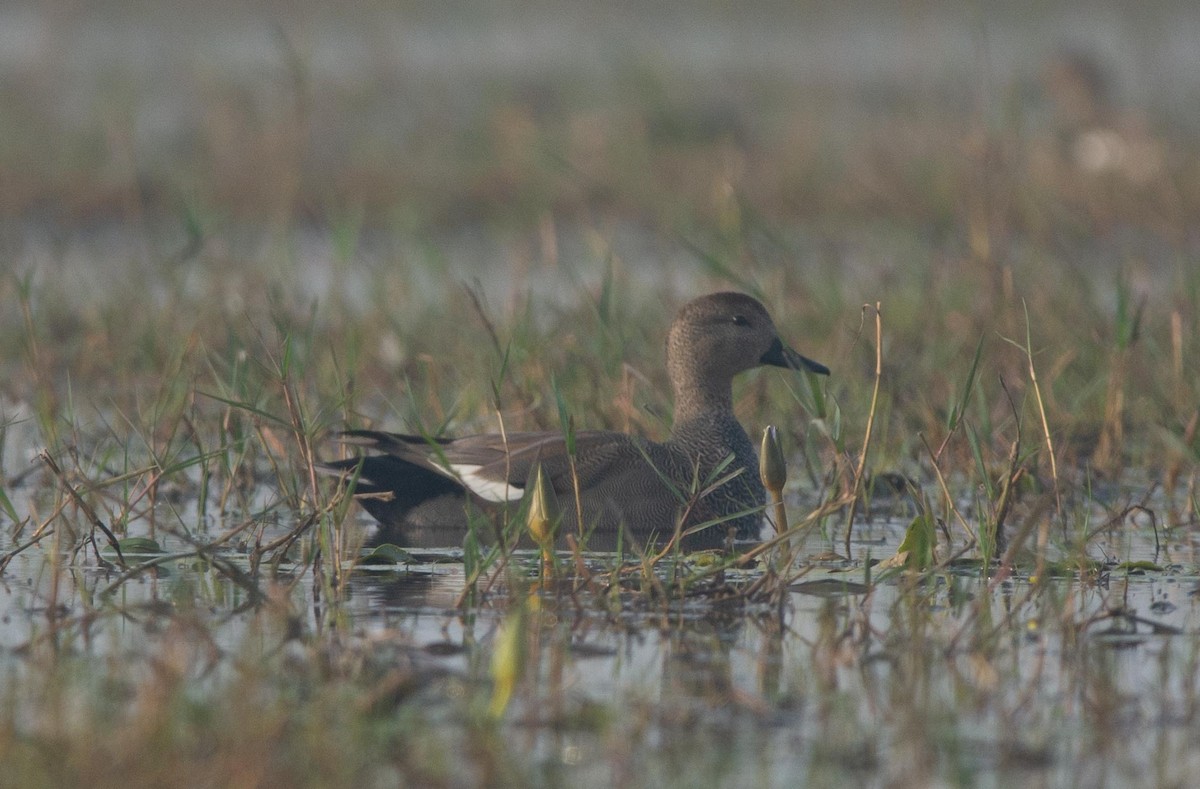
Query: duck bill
(779, 355)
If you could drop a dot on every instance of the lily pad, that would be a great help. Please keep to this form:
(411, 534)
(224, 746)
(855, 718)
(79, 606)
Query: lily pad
(830, 587)
(136, 546)
(1141, 566)
(387, 554)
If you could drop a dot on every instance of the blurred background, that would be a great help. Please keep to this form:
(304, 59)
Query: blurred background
(508, 137)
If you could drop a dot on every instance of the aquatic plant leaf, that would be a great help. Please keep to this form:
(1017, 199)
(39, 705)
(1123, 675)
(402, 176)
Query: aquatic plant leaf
(387, 554)
(137, 545)
(955, 413)
(7, 507)
(1069, 568)
(1142, 565)
(508, 661)
(707, 558)
(916, 550)
(830, 587)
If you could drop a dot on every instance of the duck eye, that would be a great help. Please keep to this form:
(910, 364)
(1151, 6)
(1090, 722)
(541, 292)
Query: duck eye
(741, 320)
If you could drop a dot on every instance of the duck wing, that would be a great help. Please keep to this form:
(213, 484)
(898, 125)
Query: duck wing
(497, 467)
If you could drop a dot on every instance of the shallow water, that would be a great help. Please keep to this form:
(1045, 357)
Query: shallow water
(818, 688)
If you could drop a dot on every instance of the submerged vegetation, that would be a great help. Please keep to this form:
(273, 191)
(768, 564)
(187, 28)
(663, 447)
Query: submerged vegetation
(987, 559)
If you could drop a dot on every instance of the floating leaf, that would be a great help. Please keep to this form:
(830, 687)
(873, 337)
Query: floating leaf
(830, 587)
(967, 564)
(387, 554)
(137, 546)
(707, 558)
(1141, 566)
(1069, 568)
(827, 557)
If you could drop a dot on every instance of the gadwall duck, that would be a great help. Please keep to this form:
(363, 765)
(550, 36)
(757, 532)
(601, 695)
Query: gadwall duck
(424, 491)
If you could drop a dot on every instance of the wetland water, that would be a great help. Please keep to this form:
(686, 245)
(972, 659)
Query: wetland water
(1091, 679)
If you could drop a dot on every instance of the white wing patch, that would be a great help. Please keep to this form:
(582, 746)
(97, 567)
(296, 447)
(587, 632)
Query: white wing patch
(487, 489)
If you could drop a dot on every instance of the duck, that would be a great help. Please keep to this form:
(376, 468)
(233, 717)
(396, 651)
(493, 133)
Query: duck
(702, 481)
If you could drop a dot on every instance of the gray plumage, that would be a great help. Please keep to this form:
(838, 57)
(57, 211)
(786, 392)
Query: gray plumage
(423, 491)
